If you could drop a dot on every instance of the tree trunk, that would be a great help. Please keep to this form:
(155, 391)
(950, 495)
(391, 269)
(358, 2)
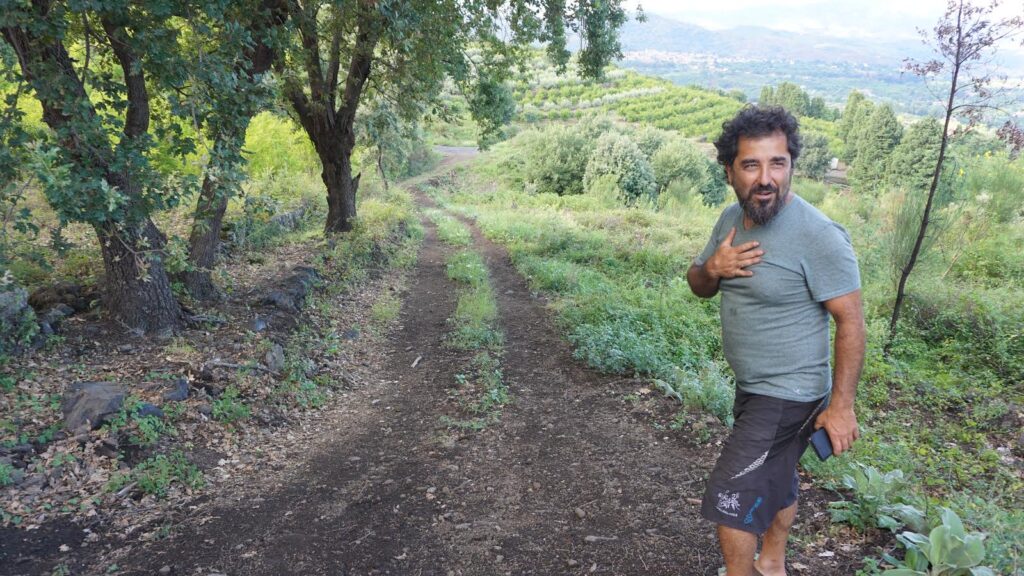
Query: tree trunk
(204, 239)
(380, 167)
(137, 291)
(341, 189)
(228, 135)
(922, 230)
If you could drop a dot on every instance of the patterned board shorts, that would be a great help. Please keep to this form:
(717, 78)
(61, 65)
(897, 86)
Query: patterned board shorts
(755, 475)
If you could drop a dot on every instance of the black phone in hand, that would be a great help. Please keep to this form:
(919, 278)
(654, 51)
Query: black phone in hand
(821, 443)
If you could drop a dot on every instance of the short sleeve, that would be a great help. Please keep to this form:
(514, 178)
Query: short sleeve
(716, 238)
(830, 265)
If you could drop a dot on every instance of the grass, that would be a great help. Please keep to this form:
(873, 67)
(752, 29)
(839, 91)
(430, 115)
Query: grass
(449, 230)
(938, 409)
(473, 328)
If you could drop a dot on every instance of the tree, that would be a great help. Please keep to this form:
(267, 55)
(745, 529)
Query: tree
(912, 162)
(245, 47)
(98, 170)
(410, 47)
(617, 157)
(815, 155)
(792, 98)
(875, 140)
(679, 160)
(857, 109)
(964, 41)
(796, 100)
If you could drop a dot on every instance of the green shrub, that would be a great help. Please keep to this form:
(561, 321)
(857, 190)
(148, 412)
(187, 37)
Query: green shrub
(142, 431)
(155, 475)
(275, 145)
(879, 501)
(552, 160)
(815, 156)
(6, 474)
(228, 408)
(619, 158)
(948, 550)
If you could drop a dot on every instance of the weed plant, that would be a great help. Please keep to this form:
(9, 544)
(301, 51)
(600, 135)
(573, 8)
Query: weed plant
(156, 474)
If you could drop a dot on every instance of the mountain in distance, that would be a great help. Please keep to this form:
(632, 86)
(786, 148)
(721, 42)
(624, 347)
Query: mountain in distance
(663, 34)
(748, 58)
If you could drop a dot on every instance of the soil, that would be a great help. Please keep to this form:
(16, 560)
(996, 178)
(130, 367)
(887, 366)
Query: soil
(580, 475)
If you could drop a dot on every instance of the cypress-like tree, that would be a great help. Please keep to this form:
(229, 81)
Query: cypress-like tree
(912, 162)
(875, 141)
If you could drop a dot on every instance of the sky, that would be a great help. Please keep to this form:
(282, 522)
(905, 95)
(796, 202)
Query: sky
(892, 19)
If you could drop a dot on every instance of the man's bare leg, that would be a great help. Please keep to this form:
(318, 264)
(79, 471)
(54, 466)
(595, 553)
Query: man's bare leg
(738, 548)
(772, 561)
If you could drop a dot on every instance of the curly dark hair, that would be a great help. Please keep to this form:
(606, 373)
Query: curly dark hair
(754, 122)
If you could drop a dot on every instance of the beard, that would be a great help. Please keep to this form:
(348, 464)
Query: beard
(761, 212)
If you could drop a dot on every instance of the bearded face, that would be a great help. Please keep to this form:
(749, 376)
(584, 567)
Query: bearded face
(761, 175)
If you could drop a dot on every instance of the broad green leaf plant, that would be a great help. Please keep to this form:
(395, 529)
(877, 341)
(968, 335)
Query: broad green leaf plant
(948, 550)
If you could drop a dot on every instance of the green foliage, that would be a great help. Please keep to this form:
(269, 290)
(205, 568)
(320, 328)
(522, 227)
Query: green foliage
(874, 140)
(650, 139)
(880, 500)
(913, 161)
(815, 156)
(681, 169)
(971, 331)
(997, 184)
(142, 431)
(795, 100)
(6, 474)
(476, 311)
(449, 230)
(492, 106)
(155, 475)
(275, 145)
(855, 114)
(948, 550)
(550, 161)
(680, 161)
(229, 408)
(82, 185)
(618, 158)
(394, 145)
(905, 210)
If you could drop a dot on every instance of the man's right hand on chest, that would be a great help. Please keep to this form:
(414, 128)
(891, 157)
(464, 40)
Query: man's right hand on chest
(730, 261)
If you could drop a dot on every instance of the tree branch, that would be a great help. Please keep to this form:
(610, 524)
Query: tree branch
(334, 67)
(310, 38)
(136, 120)
(359, 67)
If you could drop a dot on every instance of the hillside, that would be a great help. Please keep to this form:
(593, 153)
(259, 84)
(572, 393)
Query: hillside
(747, 58)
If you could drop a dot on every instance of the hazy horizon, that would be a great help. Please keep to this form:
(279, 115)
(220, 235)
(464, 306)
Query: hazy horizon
(870, 19)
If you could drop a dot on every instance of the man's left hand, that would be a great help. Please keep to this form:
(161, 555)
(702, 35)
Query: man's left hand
(841, 425)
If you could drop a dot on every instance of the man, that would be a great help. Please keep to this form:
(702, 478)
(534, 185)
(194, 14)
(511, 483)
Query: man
(783, 268)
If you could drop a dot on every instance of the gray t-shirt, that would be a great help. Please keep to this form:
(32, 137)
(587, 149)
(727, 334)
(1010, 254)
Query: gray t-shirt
(774, 326)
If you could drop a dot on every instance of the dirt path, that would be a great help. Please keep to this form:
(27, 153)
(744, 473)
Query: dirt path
(567, 482)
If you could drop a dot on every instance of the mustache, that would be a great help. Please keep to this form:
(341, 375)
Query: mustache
(760, 188)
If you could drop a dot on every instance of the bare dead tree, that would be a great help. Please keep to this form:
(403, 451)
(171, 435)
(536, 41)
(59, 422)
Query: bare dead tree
(965, 41)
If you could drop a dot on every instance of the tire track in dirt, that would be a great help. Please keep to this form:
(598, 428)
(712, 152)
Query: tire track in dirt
(360, 505)
(566, 444)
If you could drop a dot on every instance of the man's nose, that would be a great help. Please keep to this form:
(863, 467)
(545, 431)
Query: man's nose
(765, 176)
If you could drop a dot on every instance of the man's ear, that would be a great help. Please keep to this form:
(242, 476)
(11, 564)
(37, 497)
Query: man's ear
(728, 175)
